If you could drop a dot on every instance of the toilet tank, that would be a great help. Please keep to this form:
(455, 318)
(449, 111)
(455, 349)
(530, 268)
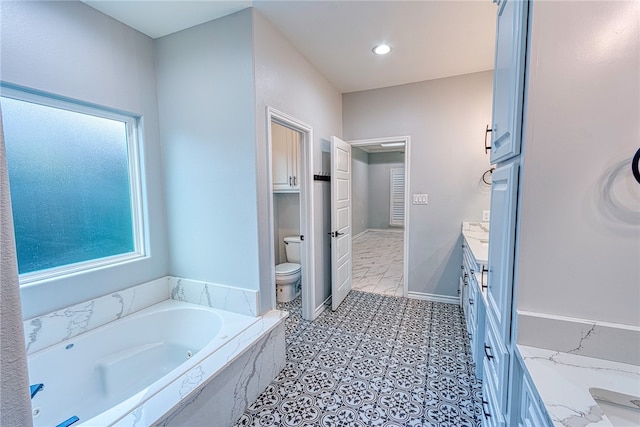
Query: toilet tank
(292, 248)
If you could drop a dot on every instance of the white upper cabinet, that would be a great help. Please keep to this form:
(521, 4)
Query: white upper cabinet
(502, 231)
(285, 158)
(508, 79)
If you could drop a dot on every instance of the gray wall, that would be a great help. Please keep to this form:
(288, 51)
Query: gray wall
(580, 223)
(380, 165)
(446, 119)
(206, 94)
(72, 50)
(286, 212)
(360, 190)
(285, 80)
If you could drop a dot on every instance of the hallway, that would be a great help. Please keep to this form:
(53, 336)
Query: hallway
(377, 258)
(377, 360)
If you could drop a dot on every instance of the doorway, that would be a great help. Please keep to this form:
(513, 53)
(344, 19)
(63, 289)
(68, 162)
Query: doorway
(290, 200)
(381, 215)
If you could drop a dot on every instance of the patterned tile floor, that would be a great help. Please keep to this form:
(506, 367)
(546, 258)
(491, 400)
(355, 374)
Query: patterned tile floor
(377, 258)
(376, 361)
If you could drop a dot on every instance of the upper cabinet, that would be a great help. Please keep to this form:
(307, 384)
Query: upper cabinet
(508, 79)
(285, 147)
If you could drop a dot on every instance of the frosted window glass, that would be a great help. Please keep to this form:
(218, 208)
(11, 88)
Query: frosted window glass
(70, 185)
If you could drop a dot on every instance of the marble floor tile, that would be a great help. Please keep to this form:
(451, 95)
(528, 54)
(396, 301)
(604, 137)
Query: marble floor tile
(376, 361)
(377, 256)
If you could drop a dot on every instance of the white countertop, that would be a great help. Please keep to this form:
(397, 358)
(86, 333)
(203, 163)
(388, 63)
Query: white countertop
(563, 381)
(476, 235)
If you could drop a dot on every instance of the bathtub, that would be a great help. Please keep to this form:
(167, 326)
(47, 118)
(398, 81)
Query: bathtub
(103, 375)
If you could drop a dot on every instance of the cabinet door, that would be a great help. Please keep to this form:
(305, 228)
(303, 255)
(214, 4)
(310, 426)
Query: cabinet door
(294, 157)
(502, 230)
(508, 79)
(280, 157)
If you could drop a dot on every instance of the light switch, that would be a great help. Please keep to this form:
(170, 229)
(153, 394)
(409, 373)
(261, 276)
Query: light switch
(420, 199)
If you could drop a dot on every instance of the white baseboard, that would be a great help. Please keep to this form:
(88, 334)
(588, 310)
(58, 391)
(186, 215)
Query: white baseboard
(434, 297)
(389, 230)
(362, 233)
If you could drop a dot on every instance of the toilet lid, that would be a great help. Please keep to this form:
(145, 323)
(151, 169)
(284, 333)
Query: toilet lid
(287, 268)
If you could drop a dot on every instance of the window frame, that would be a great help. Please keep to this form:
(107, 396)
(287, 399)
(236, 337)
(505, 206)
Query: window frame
(133, 127)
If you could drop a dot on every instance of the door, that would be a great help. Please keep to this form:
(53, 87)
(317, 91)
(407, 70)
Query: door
(340, 221)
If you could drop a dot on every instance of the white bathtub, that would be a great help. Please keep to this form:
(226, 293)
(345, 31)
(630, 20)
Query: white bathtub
(102, 375)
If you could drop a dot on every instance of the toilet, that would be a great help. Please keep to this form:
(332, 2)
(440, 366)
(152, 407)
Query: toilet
(288, 274)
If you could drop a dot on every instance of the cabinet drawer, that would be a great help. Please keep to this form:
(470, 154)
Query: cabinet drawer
(492, 416)
(497, 364)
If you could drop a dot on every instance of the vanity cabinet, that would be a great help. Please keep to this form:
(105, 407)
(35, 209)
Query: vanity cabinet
(500, 399)
(529, 411)
(504, 193)
(285, 159)
(473, 305)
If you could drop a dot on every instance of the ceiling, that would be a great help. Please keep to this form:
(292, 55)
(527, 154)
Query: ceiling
(430, 39)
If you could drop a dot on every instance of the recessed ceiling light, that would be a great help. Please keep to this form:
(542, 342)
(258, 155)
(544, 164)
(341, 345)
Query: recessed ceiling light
(381, 49)
(392, 144)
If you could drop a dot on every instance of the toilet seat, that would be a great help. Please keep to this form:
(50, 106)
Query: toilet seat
(287, 269)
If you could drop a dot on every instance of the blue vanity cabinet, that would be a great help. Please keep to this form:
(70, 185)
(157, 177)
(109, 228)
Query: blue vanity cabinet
(508, 79)
(504, 194)
(498, 403)
(529, 410)
(473, 306)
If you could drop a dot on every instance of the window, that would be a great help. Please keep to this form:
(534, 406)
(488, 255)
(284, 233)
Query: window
(396, 197)
(74, 182)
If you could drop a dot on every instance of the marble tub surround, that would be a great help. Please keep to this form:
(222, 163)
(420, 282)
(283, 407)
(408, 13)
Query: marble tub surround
(608, 341)
(563, 381)
(53, 328)
(236, 300)
(260, 347)
(242, 371)
(476, 234)
(46, 330)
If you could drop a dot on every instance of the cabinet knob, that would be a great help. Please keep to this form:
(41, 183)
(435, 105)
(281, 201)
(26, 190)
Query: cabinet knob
(470, 301)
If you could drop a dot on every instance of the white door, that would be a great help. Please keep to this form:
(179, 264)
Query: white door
(340, 221)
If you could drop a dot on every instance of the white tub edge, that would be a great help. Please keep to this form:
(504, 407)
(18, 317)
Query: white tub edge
(148, 408)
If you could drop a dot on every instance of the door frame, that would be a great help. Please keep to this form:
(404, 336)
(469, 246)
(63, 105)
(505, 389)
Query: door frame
(306, 208)
(407, 199)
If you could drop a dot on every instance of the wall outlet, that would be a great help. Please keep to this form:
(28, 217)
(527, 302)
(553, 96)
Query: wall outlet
(420, 199)
(485, 215)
